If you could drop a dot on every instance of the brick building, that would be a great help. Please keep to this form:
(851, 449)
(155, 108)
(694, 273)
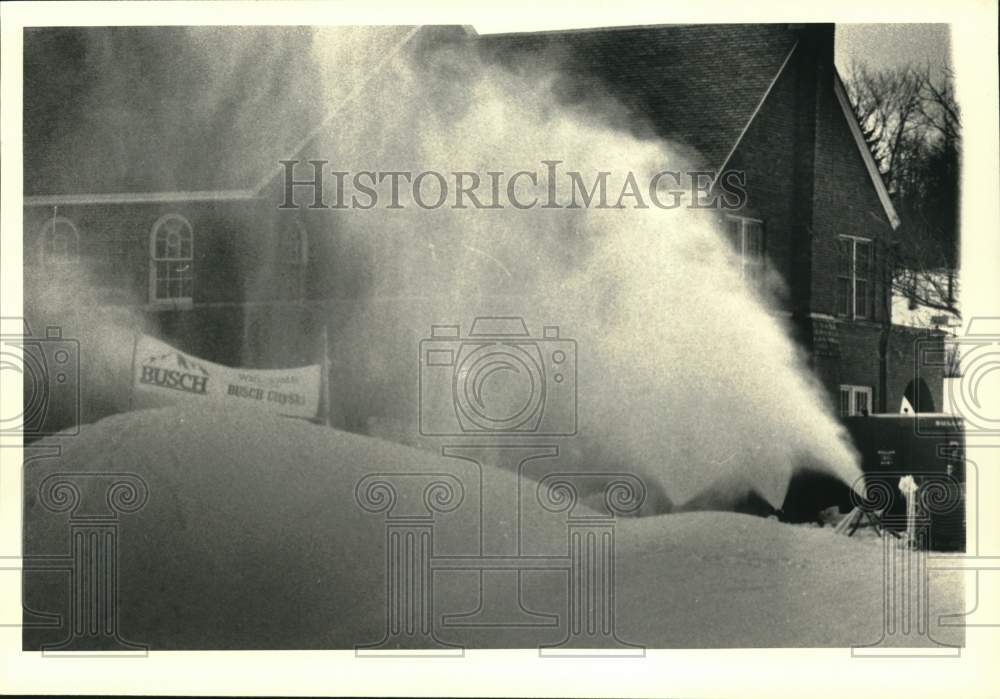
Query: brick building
(817, 210)
(200, 252)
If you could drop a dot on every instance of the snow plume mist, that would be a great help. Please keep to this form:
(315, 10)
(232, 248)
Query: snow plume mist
(683, 377)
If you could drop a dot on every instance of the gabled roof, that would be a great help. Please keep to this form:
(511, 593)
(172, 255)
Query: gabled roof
(700, 86)
(697, 85)
(760, 103)
(866, 155)
(153, 114)
(117, 112)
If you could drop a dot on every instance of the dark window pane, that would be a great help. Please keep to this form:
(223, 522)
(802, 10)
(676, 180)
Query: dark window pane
(843, 296)
(861, 299)
(844, 257)
(733, 230)
(754, 240)
(863, 260)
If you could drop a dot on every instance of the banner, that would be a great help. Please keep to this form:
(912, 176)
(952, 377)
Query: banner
(162, 375)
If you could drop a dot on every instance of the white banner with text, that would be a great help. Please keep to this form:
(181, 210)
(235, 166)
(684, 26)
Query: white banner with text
(163, 375)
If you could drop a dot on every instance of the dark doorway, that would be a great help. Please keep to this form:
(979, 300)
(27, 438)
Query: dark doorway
(918, 393)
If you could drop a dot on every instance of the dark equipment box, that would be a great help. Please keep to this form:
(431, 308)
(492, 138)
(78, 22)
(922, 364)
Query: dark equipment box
(928, 446)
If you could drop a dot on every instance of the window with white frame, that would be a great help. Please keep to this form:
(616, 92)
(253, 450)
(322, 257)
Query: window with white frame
(854, 277)
(747, 235)
(60, 241)
(293, 257)
(855, 400)
(171, 265)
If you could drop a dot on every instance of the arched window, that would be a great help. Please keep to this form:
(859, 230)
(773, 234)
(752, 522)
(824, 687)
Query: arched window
(293, 256)
(171, 260)
(60, 241)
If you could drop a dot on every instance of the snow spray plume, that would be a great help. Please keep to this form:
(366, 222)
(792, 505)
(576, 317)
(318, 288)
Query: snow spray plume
(683, 376)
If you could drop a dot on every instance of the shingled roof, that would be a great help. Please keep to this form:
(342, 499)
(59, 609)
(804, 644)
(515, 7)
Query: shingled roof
(112, 110)
(695, 85)
(164, 110)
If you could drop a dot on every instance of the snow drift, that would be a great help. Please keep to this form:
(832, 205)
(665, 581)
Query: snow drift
(252, 537)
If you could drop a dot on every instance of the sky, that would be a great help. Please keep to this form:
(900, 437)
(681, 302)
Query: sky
(892, 45)
(879, 45)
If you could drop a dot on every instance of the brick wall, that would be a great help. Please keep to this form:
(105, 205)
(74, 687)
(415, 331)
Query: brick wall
(909, 352)
(858, 363)
(766, 155)
(845, 203)
(854, 360)
(236, 248)
(801, 132)
(114, 245)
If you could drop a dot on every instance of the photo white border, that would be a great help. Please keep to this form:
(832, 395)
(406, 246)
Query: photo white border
(826, 672)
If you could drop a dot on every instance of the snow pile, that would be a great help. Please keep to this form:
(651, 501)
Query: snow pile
(253, 536)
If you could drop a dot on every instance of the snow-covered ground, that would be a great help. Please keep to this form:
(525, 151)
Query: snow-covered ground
(253, 537)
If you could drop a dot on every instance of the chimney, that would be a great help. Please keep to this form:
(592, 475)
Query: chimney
(813, 65)
(818, 38)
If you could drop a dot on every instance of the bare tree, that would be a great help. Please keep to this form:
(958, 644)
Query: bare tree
(938, 106)
(887, 104)
(912, 124)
